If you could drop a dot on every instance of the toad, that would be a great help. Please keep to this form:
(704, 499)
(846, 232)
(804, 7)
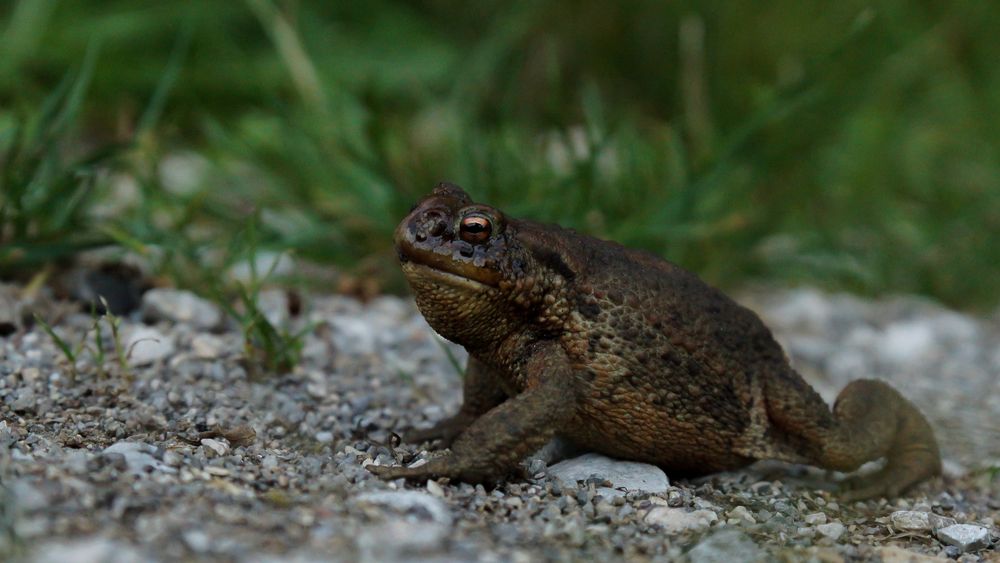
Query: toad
(620, 352)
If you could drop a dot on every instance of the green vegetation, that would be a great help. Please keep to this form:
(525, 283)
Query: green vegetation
(853, 145)
(97, 350)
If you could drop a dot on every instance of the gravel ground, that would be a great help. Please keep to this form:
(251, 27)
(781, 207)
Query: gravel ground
(181, 454)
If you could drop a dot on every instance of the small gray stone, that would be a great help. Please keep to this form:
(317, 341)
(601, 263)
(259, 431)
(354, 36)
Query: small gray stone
(741, 513)
(967, 537)
(180, 306)
(916, 521)
(269, 462)
(815, 518)
(215, 446)
(677, 520)
(207, 346)
(726, 546)
(627, 475)
(146, 345)
(832, 530)
(88, 550)
(197, 540)
(28, 497)
(400, 540)
(139, 458)
(896, 554)
(411, 502)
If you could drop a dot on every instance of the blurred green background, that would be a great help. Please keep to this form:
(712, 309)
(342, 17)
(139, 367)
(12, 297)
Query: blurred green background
(852, 145)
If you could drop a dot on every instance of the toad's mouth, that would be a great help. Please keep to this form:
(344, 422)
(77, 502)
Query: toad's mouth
(446, 270)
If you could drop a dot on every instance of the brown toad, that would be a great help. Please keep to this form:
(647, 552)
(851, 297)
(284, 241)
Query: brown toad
(623, 353)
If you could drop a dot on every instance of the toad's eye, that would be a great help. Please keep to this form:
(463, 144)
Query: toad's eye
(475, 229)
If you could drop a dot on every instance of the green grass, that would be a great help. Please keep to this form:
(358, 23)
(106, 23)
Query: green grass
(853, 146)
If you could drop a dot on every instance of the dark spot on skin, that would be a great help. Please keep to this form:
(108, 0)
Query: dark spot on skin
(551, 258)
(589, 310)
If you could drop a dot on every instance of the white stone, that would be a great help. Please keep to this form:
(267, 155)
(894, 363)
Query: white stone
(184, 172)
(967, 537)
(726, 546)
(401, 540)
(273, 304)
(354, 335)
(907, 341)
(27, 497)
(917, 521)
(815, 518)
(435, 489)
(269, 462)
(832, 530)
(207, 346)
(197, 540)
(88, 550)
(623, 475)
(139, 457)
(146, 345)
(410, 502)
(215, 446)
(894, 554)
(180, 306)
(741, 513)
(677, 520)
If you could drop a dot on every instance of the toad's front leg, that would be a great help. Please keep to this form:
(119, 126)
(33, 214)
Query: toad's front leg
(496, 442)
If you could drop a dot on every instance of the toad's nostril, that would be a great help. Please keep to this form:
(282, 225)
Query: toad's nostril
(434, 223)
(437, 228)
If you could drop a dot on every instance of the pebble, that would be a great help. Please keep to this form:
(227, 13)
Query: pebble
(179, 306)
(138, 457)
(677, 520)
(832, 530)
(197, 540)
(435, 489)
(624, 476)
(815, 518)
(27, 496)
(894, 554)
(400, 540)
(146, 345)
(207, 346)
(966, 537)
(411, 502)
(726, 546)
(215, 446)
(741, 513)
(916, 521)
(88, 550)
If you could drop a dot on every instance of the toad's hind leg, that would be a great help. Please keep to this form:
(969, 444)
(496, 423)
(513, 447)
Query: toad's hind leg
(870, 420)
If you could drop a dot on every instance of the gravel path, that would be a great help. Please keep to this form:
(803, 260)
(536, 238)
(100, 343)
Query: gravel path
(183, 455)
